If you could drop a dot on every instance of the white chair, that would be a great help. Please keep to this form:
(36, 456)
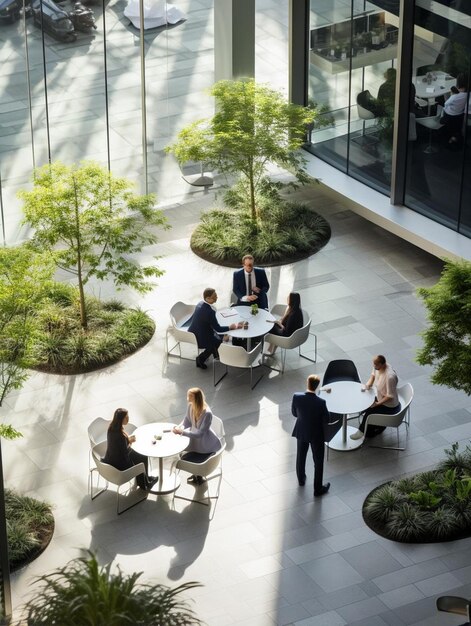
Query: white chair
(395, 420)
(432, 123)
(114, 476)
(237, 356)
(180, 313)
(296, 340)
(97, 431)
(365, 114)
(406, 395)
(209, 469)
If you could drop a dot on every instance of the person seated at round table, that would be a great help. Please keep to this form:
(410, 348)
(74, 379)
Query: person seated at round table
(453, 112)
(119, 453)
(197, 426)
(291, 321)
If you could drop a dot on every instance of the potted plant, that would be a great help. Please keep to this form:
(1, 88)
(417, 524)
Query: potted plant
(254, 309)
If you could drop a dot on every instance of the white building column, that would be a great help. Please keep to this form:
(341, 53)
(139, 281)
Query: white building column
(234, 39)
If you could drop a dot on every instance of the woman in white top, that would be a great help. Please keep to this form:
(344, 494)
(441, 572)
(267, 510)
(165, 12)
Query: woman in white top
(197, 426)
(384, 378)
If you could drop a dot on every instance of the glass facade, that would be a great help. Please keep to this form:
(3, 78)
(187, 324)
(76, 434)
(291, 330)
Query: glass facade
(353, 63)
(112, 94)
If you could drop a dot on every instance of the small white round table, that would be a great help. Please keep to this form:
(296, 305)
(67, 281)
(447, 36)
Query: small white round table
(346, 397)
(259, 325)
(170, 444)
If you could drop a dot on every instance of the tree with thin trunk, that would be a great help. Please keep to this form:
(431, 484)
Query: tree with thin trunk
(254, 126)
(92, 223)
(447, 340)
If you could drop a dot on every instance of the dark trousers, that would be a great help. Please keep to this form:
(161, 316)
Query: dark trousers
(136, 458)
(383, 410)
(318, 458)
(207, 352)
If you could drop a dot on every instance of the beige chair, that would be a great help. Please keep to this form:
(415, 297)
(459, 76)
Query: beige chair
(392, 421)
(406, 395)
(432, 123)
(296, 340)
(237, 356)
(365, 115)
(114, 476)
(180, 314)
(209, 469)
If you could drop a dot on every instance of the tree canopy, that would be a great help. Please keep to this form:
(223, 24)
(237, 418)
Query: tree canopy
(24, 280)
(253, 125)
(92, 222)
(447, 340)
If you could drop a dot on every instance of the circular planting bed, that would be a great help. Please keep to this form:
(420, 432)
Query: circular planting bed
(285, 232)
(427, 507)
(113, 332)
(30, 526)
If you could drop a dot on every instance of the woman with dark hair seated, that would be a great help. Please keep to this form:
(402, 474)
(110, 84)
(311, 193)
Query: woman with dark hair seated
(119, 453)
(291, 321)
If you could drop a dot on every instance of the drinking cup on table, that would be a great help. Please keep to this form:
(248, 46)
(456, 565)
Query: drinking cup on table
(246, 325)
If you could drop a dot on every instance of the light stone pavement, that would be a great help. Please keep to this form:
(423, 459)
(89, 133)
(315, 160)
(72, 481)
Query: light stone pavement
(272, 554)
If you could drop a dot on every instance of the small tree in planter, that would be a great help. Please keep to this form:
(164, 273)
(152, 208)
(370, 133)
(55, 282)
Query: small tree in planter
(447, 340)
(92, 222)
(24, 278)
(253, 126)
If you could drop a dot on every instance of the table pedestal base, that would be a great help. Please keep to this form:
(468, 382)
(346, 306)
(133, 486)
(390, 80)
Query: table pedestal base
(166, 483)
(337, 442)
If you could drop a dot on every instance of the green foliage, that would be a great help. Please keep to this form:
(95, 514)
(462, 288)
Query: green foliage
(425, 499)
(64, 347)
(87, 594)
(253, 125)
(92, 222)
(285, 231)
(24, 280)
(406, 524)
(436, 503)
(383, 502)
(447, 340)
(27, 521)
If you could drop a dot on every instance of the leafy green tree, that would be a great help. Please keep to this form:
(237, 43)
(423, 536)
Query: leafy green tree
(24, 280)
(447, 340)
(92, 222)
(253, 126)
(87, 594)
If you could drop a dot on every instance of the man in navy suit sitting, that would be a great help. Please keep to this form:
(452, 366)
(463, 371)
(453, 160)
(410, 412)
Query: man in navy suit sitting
(311, 413)
(250, 284)
(205, 326)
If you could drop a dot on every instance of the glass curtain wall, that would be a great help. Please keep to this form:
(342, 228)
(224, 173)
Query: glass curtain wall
(352, 76)
(439, 159)
(70, 91)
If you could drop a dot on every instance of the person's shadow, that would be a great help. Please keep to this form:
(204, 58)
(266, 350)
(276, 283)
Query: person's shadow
(156, 522)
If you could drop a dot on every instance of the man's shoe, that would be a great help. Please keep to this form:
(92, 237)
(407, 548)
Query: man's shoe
(324, 490)
(200, 364)
(301, 483)
(358, 435)
(152, 480)
(192, 479)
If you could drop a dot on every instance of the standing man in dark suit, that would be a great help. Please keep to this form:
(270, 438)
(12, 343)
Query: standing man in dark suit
(311, 413)
(205, 326)
(250, 284)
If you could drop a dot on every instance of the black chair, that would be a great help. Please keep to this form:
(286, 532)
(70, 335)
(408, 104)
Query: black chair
(341, 369)
(456, 605)
(424, 69)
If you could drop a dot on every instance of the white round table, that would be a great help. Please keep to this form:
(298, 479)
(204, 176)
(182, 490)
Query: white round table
(259, 325)
(169, 445)
(346, 397)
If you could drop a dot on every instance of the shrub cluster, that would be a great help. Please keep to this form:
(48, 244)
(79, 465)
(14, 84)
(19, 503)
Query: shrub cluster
(286, 232)
(30, 525)
(427, 507)
(62, 346)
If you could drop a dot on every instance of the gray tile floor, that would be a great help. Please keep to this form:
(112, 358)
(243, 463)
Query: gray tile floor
(271, 554)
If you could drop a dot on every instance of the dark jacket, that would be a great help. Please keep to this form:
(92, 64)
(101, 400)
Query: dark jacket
(204, 325)
(293, 322)
(311, 413)
(117, 451)
(239, 287)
